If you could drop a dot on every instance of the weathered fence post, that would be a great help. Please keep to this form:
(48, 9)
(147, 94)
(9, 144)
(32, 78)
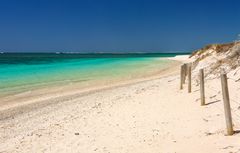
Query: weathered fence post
(181, 77)
(202, 88)
(186, 67)
(189, 78)
(184, 72)
(226, 102)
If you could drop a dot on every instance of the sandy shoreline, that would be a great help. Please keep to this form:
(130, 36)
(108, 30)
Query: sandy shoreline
(35, 99)
(146, 116)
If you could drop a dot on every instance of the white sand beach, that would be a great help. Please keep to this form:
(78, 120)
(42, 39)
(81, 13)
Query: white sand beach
(148, 116)
(120, 76)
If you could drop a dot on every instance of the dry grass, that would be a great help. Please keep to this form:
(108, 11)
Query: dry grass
(219, 48)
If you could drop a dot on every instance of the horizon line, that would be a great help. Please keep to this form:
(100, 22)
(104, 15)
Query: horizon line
(98, 52)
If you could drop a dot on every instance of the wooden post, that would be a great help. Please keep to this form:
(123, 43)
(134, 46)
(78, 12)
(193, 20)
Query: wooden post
(189, 78)
(184, 72)
(202, 88)
(181, 77)
(226, 102)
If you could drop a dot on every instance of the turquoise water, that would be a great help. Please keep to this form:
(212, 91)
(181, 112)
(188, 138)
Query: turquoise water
(22, 72)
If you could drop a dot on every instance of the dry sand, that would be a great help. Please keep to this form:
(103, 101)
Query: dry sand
(145, 117)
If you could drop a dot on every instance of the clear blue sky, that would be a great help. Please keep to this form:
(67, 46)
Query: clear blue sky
(116, 25)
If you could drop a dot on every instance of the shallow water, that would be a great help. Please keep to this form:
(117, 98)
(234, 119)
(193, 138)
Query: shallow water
(23, 72)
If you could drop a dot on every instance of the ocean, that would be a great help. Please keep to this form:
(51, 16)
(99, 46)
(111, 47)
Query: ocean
(21, 72)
